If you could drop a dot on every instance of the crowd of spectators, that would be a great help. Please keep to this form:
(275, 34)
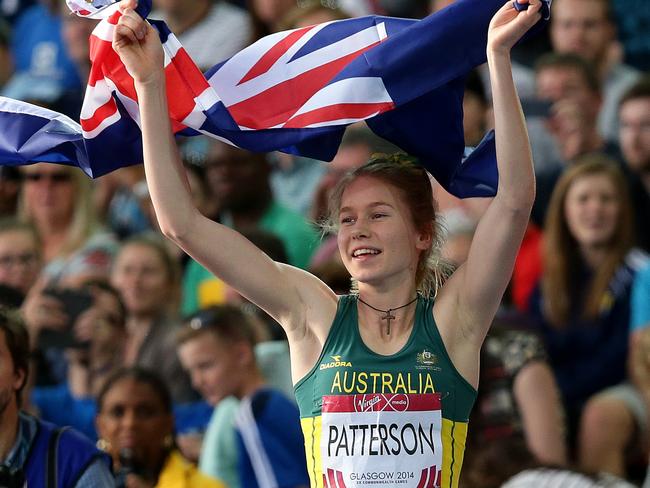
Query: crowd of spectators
(183, 382)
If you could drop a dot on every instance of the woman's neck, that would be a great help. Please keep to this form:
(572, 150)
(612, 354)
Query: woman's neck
(594, 256)
(53, 239)
(388, 312)
(137, 329)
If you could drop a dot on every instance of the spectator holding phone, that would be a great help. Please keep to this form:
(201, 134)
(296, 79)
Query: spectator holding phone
(97, 349)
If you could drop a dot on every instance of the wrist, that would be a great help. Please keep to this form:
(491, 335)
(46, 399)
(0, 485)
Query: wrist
(155, 81)
(496, 55)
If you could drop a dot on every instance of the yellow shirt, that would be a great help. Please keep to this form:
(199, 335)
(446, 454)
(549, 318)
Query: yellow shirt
(180, 473)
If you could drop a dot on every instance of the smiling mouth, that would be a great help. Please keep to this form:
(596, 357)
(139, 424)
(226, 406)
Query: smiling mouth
(359, 253)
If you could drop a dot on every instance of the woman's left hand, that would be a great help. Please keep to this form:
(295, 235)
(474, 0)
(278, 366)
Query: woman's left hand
(508, 25)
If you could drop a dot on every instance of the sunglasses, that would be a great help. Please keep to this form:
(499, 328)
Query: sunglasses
(26, 259)
(53, 177)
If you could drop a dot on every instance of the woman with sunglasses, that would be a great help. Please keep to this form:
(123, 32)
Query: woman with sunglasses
(385, 378)
(57, 201)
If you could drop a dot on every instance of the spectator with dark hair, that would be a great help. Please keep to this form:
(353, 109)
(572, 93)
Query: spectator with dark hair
(570, 83)
(28, 445)
(587, 28)
(217, 348)
(634, 137)
(568, 130)
(136, 427)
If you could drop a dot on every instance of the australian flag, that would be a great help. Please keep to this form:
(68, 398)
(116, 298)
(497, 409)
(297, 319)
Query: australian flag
(296, 91)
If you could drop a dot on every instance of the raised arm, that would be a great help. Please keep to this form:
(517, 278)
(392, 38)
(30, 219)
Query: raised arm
(470, 298)
(284, 292)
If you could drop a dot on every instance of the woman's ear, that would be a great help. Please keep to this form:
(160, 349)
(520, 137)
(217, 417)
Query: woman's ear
(424, 239)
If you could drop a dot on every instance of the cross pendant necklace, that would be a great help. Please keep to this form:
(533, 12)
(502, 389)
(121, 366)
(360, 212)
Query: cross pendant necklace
(388, 315)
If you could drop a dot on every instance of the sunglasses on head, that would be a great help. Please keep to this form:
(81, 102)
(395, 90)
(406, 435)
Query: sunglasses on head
(61, 177)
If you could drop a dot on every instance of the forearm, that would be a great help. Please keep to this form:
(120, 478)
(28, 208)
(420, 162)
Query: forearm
(163, 169)
(514, 159)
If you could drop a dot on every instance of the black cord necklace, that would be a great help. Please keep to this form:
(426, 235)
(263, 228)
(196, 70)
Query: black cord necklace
(388, 316)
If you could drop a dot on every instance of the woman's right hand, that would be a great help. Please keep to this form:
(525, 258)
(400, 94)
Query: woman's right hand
(41, 311)
(137, 44)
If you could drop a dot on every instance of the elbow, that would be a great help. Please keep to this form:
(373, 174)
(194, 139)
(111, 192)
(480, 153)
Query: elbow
(176, 230)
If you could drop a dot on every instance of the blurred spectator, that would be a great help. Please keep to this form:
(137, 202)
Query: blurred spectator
(210, 31)
(582, 303)
(587, 28)
(57, 200)
(33, 452)
(136, 427)
(99, 337)
(44, 72)
(217, 349)
(634, 115)
(147, 277)
(571, 85)
(20, 255)
(10, 181)
(567, 129)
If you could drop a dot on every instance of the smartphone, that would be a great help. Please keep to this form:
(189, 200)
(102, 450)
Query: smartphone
(75, 302)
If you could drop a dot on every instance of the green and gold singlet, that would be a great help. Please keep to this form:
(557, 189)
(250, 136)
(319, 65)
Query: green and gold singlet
(369, 419)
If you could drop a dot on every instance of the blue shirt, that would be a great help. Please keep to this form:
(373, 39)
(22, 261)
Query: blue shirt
(94, 475)
(270, 442)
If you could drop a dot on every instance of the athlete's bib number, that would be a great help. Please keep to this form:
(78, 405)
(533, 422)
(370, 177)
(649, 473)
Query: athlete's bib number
(381, 440)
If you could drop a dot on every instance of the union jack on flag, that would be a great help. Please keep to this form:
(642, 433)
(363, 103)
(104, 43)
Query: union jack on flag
(296, 91)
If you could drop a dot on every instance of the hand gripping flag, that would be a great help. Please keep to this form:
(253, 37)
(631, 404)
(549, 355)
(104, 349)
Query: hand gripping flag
(296, 91)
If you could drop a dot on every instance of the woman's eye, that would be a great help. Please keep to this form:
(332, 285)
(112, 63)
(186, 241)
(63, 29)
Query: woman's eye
(346, 220)
(378, 215)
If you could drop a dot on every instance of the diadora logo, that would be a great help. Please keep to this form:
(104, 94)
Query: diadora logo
(336, 363)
